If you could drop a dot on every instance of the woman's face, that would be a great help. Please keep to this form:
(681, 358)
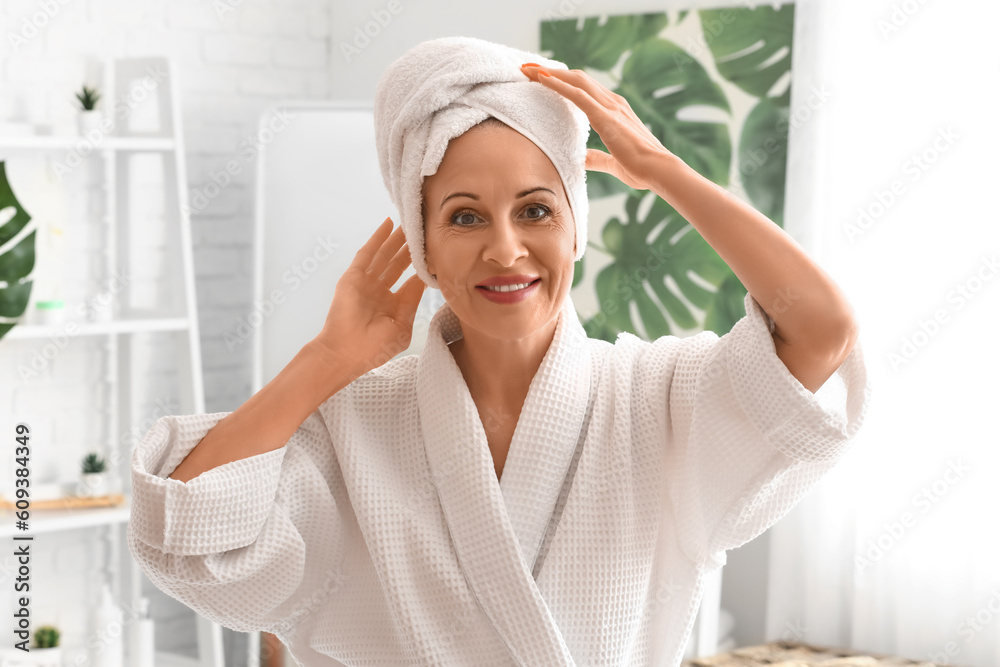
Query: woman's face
(497, 207)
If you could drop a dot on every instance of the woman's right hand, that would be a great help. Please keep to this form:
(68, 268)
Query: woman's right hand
(368, 324)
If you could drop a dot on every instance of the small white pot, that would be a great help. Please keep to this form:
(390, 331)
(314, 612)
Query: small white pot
(50, 312)
(88, 121)
(93, 484)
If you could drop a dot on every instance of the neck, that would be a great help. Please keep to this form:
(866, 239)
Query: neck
(499, 371)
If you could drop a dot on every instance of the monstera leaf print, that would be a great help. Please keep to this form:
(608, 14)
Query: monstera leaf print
(597, 45)
(661, 269)
(752, 47)
(763, 155)
(660, 80)
(646, 251)
(15, 262)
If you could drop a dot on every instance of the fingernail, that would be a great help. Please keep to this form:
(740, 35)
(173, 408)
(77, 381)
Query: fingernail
(530, 65)
(543, 73)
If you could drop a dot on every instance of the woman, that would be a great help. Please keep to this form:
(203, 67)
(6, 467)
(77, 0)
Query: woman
(518, 493)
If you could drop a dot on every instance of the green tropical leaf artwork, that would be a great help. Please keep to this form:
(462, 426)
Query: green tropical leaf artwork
(714, 87)
(17, 261)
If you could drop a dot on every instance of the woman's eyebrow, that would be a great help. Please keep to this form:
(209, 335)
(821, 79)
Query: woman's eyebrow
(472, 196)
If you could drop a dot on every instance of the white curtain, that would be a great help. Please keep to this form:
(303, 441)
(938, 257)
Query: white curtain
(896, 115)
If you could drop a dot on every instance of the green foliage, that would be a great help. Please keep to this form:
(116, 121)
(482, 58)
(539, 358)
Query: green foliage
(93, 463)
(754, 50)
(658, 64)
(660, 263)
(726, 306)
(647, 251)
(88, 98)
(763, 156)
(598, 46)
(17, 262)
(46, 636)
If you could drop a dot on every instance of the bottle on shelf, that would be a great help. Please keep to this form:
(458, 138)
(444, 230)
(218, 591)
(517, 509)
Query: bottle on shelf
(109, 650)
(141, 638)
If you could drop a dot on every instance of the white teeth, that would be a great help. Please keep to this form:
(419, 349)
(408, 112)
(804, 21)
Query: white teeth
(507, 288)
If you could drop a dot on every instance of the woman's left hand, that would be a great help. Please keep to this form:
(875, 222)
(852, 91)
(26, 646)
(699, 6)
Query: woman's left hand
(634, 149)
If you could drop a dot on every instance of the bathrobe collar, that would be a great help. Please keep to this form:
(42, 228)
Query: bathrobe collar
(498, 527)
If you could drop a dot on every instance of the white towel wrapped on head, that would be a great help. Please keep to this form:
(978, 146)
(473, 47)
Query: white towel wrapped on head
(442, 87)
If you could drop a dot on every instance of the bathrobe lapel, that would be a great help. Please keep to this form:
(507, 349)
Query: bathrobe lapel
(498, 527)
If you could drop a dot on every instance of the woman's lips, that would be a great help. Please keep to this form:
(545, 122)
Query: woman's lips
(510, 287)
(512, 296)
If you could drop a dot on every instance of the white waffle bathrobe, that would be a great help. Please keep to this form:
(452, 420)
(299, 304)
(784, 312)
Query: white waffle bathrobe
(380, 535)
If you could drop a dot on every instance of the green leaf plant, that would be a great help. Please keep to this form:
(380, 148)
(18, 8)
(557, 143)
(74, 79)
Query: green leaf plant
(16, 261)
(660, 265)
(88, 98)
(93, 463)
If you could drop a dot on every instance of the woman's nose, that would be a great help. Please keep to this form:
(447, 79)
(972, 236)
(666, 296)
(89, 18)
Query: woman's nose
(504, 244)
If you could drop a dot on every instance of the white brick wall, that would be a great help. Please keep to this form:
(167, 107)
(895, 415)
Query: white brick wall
(232, 64)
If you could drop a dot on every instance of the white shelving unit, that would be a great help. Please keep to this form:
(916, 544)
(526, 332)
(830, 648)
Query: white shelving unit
(175, 318)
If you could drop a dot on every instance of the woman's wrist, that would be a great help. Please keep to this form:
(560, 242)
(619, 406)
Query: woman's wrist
(339, 366)
(667, 173)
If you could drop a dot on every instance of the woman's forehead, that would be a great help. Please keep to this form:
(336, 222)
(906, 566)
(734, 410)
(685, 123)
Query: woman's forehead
(499, 153)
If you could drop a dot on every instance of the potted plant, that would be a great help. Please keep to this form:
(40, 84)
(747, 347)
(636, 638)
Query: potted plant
(89, 118)
(46, 651)
(94, 478)
(16, 262)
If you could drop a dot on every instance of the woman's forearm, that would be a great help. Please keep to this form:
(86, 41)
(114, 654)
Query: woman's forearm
(807, 307)
(270, 417)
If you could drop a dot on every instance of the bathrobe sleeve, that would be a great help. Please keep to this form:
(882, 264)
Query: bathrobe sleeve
(744, 439)
(231, 543)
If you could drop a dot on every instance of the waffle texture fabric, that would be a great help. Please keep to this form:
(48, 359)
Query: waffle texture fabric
(380, 534)
(442, 87)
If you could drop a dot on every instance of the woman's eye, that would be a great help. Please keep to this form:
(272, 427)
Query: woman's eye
(538, 207)
(457, 218)
(468, 218)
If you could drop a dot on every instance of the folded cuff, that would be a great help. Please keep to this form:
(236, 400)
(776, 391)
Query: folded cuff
(221, 509)
(793, 418)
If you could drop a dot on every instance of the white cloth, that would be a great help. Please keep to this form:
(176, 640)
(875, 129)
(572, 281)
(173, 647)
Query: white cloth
(379, 534)
(442, 87)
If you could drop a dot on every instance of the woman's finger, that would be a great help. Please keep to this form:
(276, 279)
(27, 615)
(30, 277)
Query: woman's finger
(386, 251)
(580, 79)
(409, 296)
(595, 110)
(363, 257)
(598, 160)
(396, 266)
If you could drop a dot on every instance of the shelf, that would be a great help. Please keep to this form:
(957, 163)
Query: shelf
(51, 521)
(134, 372)
(138, 325)
(160, 659)
(72, 141)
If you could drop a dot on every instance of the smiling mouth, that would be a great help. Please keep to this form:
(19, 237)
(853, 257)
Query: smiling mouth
(508, 288)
